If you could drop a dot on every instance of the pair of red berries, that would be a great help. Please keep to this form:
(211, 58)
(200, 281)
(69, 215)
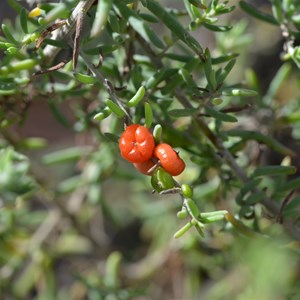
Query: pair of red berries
(137, 145)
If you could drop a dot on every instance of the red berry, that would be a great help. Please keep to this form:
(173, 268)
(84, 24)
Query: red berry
(145, 166)
(169, 159)
(136, 144)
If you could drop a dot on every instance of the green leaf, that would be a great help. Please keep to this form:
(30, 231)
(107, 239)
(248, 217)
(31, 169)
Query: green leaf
(159, 76)
(274, 171)
(86, 79)
(186, 112)
(8, 34)
(66, 155)
(138, 24)
(56, 43)
(290, 185)
(198, 4)
(261, 138)
(111, 137)
(15, 5)
(33, 143)
(192, 208)
(255, 198)
(157, 132)
(103, 8)
(14, 179)
(277, 81)
(209, 72)
(217, 28)
(220, 116)
(70, 184)
(239, 92)
(175, 27)
(149, 18)
(226, 71)
(148, 115)
(183, 230)
(187, 78)
(224, 58)
(23, 20)
(103, 114)
(137, 98)
(251, 10)
(18, 66)
(248, 187)
(118, 111)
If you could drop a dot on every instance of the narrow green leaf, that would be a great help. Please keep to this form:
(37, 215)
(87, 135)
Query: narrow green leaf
(224, 58)
(274, 171)
(226, 71)
(293, 207)
(248, 187)
(277, 81)
(138, 24)
(255, 198)
(17, 66)
(137, 98)
(86, 79)
(115, 108)
(192, 208)
(71, 184)
(186, 112)
(149, 18)
(182, 214)
(239, 225)
(6, 86)
(33, 143)
(159, 76)
(217, 28)
(290, 185)
(219, 115)
(251, 10)
(66, 155)
(183, 230)
(261, 138)
(277, 10)
(23, 20)
(56, 43)
(198, 4)
(157, 132)
(177, 57)
(148, 115)
(111, 137)
(8, 34)
(239, 92)
(209, 73)
(187, 78)
(175, 27)
(15, 5)
(103, 114)
(103, 8)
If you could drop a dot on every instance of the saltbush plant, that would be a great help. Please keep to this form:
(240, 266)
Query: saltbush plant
(178, 126)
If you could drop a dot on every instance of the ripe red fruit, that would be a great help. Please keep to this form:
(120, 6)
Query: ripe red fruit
(145, 166)
(136, 144)
(169, 159)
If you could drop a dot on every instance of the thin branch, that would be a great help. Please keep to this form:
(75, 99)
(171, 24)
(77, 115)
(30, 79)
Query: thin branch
(65, 32)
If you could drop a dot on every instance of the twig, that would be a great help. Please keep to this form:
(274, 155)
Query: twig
(65, 32)
(78, 31)
(49, 70)
(284, 203)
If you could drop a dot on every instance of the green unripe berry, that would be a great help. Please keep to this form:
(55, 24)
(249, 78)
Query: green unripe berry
(186, 191)
(161, 180)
